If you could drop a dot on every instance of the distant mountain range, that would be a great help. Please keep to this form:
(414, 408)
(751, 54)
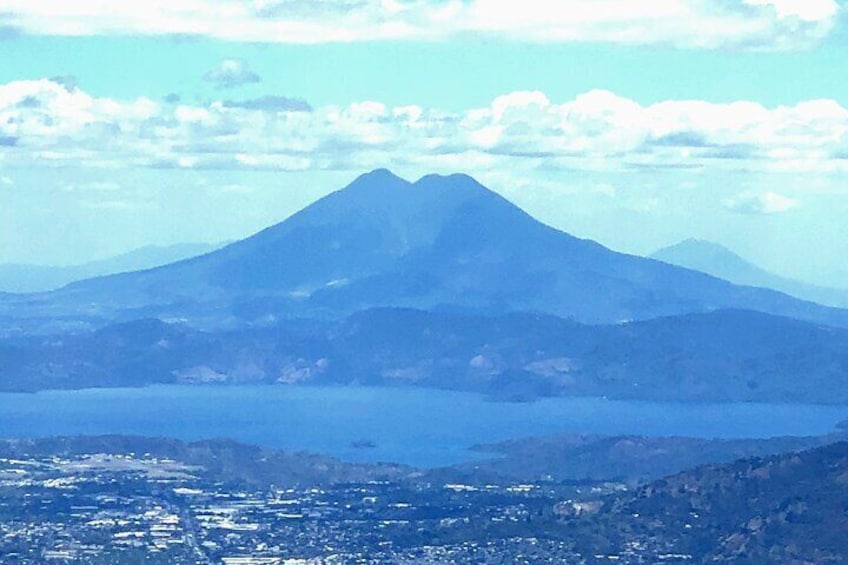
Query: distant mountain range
(716, 260)
(438, 283)
(442, 242)
(731, 355)
(41, 278)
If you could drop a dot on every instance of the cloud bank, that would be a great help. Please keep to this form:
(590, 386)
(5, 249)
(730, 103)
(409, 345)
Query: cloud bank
(704, 24)
(46, 123)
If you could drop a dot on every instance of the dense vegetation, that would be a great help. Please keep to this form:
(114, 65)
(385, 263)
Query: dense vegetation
(729, 355)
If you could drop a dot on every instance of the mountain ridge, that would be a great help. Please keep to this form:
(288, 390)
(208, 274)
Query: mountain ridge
(382, 241)
(31, 278)
(721, 356)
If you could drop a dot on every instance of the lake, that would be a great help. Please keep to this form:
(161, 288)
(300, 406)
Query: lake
(422, 427)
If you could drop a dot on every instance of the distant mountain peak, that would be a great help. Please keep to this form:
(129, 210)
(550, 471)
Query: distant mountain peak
(382, 174)
(386, 198)
(384, 179)
(697, 243)
(384, 182)
(715, 259)
(451, 178)
(692, 252)
(706, 244)
(379, 178)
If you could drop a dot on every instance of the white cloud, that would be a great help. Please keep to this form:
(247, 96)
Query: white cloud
(231, 73)
(804, 10)
(763, 24)
(52, 124)
(271, 104)
(764, 203)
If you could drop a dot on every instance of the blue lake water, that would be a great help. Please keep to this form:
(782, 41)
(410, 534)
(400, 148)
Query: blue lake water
(414, 426)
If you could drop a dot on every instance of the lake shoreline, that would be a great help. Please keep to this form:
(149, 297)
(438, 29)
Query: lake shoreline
(416, 426)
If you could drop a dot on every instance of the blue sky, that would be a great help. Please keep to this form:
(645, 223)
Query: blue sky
(636, 125)
(401, 73)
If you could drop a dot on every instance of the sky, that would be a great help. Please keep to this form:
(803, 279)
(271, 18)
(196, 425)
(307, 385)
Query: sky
(637, 124)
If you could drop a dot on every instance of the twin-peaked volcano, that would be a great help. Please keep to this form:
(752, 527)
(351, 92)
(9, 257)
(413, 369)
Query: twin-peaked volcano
(440, 242)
